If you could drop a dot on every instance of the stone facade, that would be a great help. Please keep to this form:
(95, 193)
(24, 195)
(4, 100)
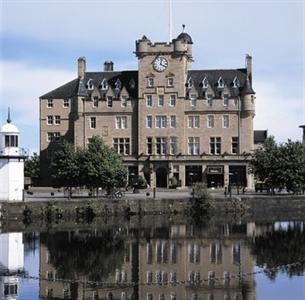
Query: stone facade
(165, 119)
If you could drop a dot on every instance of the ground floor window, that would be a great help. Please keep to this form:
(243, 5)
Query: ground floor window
(238, 175)
(193, 174)
(215, 176)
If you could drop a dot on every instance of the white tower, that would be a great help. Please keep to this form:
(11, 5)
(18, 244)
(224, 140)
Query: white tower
(11, 163)
(11, 264)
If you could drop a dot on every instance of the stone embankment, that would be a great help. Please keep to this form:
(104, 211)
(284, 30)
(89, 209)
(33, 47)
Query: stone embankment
(83, 210)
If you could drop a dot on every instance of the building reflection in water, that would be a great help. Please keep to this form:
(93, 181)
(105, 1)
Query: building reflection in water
(171, 262)
(11, 264)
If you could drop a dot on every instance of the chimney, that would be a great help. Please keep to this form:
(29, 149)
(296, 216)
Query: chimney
(81, 67)
(249, 67)
(303, 127)
(108, 66)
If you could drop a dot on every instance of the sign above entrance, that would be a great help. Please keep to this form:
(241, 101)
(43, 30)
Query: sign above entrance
(215, 170)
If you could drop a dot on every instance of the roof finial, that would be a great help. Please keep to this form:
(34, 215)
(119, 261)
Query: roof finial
(8, 116)
(183, 27)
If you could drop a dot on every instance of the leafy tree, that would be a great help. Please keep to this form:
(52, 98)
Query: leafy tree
(32, 167)
(65, 168)
(101, 166)
(280, 166)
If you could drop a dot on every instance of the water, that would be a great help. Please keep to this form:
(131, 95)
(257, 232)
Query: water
(169, 259)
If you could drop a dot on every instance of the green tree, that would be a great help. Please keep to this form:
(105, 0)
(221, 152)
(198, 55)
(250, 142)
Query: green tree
(65, 167)
(280, 166)
(32, 167)
(101, 166)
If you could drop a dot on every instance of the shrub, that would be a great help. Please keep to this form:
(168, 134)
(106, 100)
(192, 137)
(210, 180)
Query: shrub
(173, 182)
(139, 182)
(201, 200)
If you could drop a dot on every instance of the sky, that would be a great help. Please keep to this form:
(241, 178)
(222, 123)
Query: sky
(40, 42)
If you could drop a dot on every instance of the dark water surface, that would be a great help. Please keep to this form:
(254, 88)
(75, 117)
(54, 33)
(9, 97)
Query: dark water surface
(156, 259)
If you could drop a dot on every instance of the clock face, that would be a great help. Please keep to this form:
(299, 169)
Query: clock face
(160, 64)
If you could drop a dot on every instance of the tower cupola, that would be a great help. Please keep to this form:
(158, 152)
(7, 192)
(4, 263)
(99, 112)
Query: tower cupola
(9, 138)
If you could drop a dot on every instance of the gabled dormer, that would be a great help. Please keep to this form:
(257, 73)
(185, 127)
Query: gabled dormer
(90, 85)
(124, 92)
(190, 83)
(118, 84)
(205, 83)
(220, 83)
(236, 82)
(110, 93)
(104, 84)
(132, 83)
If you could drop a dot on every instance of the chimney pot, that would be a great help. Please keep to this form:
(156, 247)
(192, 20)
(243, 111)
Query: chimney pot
(108, 66)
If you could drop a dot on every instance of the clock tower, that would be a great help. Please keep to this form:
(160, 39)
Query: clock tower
(162, 73)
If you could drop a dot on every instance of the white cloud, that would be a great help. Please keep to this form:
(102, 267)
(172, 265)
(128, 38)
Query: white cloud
(22, 84)
(278, 112)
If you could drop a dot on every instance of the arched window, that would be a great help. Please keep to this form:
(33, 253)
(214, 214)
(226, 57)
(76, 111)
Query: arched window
(90, 85)
(104, 84)
(221, 83)
(205, 83)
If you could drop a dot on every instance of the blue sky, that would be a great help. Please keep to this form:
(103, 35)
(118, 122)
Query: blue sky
(41, 41)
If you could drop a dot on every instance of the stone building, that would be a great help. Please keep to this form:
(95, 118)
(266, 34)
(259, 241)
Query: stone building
(165, 119)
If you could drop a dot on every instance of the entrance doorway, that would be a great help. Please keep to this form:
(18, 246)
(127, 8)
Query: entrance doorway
(161, 177)
(193, 174)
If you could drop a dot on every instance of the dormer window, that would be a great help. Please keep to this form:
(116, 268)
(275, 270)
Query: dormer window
(190, 83)
(235, 82)
(11, 141)
(104, 84)
(90, 84)
(150, 81)
(170, 81)
(221, 83)
(132, 83)
(118, 84)
(205, 83)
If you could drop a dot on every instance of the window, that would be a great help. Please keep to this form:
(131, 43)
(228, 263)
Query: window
(190, 83)
(149, 296)
(53, 136)
(235, 82)
(95, 102)
(50, 275)
(210, 100)
(211, 278)
(164, 277)
(109, 101)
(149, 252)
(226, 279)
(173, 121)
(11, 141)
(225, 121)
(161, 100)
(149, 277)
(148, 121)
(92, 122)
(123, 101)
(173, 247)
(150, 82)
(193, 121)
(210, 121)
(161, 296)
(193, 100)
(173, 145)
(170, 82)
(121, 122)
(161, 145)
(149, 146)
(234, 145)
(149, 100)
(225, 100)
(215, 145)
(49, 120)
(95, 295)
(66, 102)
(172, 101)
(57, 120)
(173, 277)
(161, 122)
(122, 145)
(194, 253)
(216, 253)
(173, 296)
(50, 103)
(193, 145)
(236, 253)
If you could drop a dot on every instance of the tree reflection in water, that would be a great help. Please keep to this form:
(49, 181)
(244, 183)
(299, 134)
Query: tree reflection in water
(87, 254)
(281, 246)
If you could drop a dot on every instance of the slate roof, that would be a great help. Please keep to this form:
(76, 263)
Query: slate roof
(78, 87)
(260, 136)
(212, 76)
